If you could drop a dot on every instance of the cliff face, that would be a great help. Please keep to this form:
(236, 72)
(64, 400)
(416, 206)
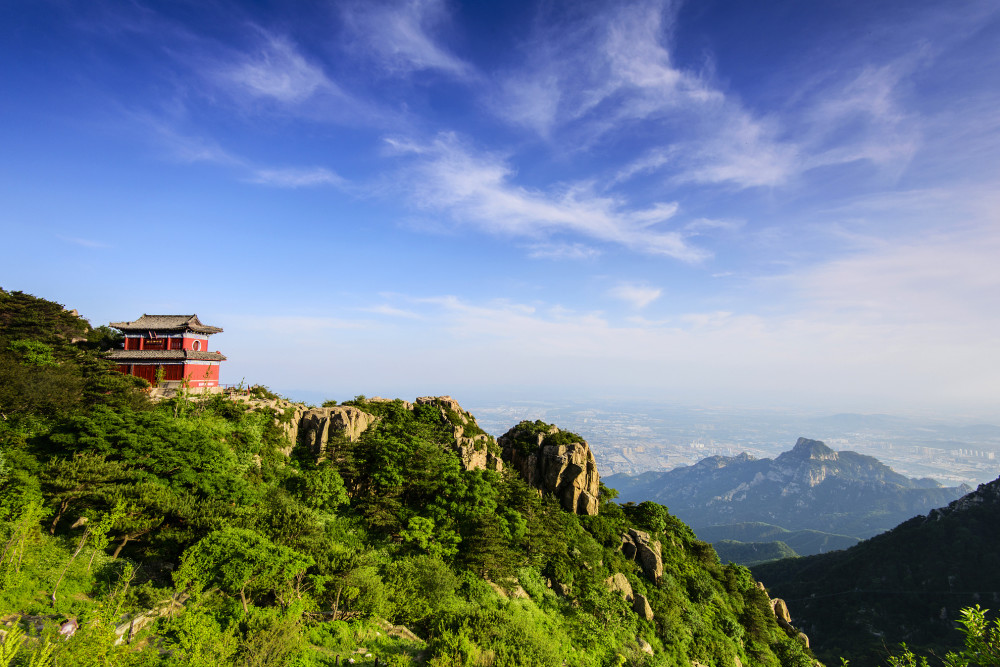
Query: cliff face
(316, 427)
(554, 462)
(471, 444)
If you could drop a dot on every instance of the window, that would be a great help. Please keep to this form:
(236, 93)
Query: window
(196, 345)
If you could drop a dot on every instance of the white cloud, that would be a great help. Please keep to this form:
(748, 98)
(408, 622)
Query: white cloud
(478, 190)
(743, 151)
(636, 295)
(532, 101)
(611, 76)
(297, 178)
(401, 35)
(276, 77)
(392, 311)
(277, 71)
(559, 251)
(941, 281)
(868, 109)
(193, 149)
(651, 161)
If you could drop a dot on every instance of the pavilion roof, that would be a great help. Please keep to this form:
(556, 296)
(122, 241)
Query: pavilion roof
(167, 323)
(163, 355)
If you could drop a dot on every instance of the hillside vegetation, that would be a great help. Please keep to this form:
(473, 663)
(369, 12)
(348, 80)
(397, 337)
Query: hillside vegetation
(906, 585)
(192, 531)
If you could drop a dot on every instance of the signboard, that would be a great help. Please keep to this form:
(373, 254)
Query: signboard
(154, 344)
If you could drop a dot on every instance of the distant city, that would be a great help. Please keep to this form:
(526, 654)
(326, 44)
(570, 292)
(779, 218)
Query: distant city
(634, 438)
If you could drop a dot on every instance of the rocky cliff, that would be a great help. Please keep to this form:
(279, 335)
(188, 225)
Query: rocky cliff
(556, 462)
(317, 428)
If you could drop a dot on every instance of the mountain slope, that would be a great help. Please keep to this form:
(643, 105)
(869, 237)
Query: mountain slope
(809, 487)
(752, 553)
(906, 585)
(803, 542)
(244, 529)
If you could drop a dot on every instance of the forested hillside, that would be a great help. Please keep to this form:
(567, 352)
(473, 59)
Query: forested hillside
(906, 585)
(192, 531)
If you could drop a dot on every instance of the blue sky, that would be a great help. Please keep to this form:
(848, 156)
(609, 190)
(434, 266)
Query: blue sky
(760, 204)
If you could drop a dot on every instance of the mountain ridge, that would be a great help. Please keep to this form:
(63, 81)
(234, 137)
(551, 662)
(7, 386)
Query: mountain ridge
(810, 486)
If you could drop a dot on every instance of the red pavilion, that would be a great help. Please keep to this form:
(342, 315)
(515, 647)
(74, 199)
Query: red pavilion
(168, 348)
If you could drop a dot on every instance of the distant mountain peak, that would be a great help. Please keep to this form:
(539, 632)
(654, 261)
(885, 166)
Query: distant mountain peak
(811, 449)
(810, 486)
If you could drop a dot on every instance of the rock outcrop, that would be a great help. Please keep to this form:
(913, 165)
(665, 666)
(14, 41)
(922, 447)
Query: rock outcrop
(317, 425)
(618, 582)
(780, 610)
(474, 450)
(640, 605)
(554, 462)
(784, 618)
(637, 545)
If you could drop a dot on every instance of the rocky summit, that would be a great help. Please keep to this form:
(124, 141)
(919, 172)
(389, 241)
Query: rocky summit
(555, 462)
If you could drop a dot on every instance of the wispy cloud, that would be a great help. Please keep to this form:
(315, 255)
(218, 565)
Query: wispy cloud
(867, 106)
(275, 70)
(194, 149)
(651, 161)
(635, 294)
(392, 311)
(276, 76)
(744, 151)
(297, 178)
(403, 35)
(85, 243)
(182, 146)
(479, 190)
(610, 75)
(560, 251)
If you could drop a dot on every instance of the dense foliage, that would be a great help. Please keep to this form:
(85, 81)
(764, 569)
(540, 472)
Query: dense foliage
(904, 586)
(981, 639)
(384, 548)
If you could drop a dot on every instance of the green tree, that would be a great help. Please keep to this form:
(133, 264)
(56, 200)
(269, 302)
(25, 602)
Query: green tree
(85, 479)
(242, 563)
(982, 644)
(322, 488)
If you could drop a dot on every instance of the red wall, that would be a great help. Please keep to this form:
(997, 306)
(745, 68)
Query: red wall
(189, 343)
(194, 374)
